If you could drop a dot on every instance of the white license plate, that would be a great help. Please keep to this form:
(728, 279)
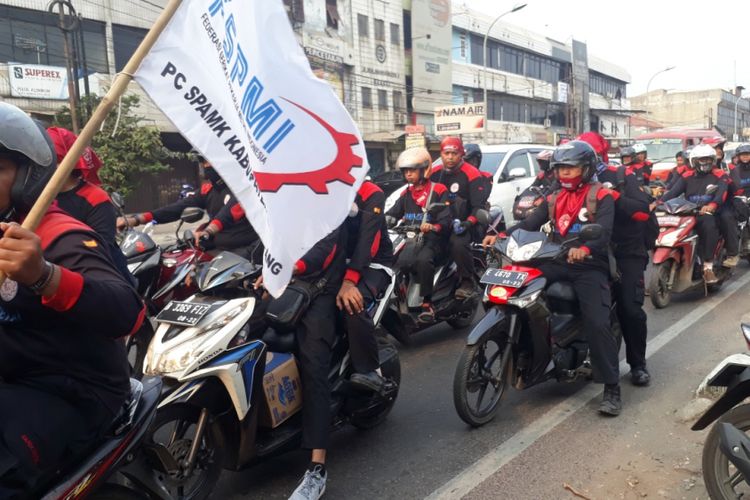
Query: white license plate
(669, 221)
(183, 313)
(513, 279)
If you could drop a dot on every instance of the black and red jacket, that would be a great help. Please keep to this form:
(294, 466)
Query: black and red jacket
(676, 173)
(545, 180)
(410, 207)
(367, 233)
(631, 211)
(695, 188)
(575, 217)
(91, 205)
(642, 171)
(223, 210)
(77, 332)
(468, 190)
(740, 176)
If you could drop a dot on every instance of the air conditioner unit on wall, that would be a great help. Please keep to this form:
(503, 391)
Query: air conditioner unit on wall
(399, 118)
(547, 123)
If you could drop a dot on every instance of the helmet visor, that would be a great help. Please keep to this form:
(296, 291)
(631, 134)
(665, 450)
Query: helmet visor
(19, 133)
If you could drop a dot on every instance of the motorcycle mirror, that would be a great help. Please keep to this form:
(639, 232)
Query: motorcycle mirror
(591, 232)
(188, 235)
(118, 200)
(191, 214)
(483, 216)
(746, 330)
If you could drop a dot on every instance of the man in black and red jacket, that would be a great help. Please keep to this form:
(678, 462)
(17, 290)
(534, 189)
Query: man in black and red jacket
(468, 192)
(367, 243)
(740, 175)
(706, 186)
(641, 166)
(567, 210)
(228, 226)
(64, 373)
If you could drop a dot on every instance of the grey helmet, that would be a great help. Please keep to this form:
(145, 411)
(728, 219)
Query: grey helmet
(26, 142)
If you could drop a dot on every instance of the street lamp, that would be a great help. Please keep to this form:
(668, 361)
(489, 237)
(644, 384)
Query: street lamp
(736, 102)
(484, 55)
(668, 68)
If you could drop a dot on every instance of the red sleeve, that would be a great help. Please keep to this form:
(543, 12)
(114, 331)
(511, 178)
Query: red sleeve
(68, 292)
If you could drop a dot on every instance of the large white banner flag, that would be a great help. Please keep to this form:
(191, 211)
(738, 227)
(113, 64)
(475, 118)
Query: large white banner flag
(233, 79)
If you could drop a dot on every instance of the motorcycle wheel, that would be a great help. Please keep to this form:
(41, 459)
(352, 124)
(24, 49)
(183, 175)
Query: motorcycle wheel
(391, 371)
(482, 366)
(723, 480)
(657, 284)
(174, 428)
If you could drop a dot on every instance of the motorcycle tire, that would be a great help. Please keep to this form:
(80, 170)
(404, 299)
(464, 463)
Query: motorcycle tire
(660, 295)
(210, 456)
(391, 371)
(468, 378)
(716, 474)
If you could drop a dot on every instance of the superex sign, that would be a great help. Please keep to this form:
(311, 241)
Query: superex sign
(241, 90)
(37, 82)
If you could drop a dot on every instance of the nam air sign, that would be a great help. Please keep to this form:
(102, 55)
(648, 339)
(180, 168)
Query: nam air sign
(462, 119)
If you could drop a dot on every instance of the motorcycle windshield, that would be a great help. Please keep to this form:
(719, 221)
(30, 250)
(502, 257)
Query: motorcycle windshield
(136, 243)
(679, 206)
(224, 268)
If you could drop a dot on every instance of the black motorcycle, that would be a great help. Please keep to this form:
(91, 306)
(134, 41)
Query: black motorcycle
(726, 451)
(530, 332)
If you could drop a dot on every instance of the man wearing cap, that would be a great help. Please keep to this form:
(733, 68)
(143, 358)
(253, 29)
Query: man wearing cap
(468, 192)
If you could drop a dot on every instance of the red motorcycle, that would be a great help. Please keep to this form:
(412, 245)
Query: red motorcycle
(676, 265)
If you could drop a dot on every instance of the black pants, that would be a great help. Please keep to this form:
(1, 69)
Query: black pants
(422, 261)
(461, 254)
(629, 292)
(316, 333)
(591, 285)
(41, 427)
(707, 228)
(363, 347)
(728, 228)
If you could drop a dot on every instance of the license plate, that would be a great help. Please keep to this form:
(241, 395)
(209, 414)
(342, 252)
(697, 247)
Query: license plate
(514, 279)
(668, 221)
(183, 313)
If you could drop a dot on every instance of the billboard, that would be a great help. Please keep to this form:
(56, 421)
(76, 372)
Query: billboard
(461, 119)
(38, 82)
(431, 33)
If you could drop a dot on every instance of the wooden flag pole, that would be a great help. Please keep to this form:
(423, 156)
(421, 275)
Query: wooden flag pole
(117, 89)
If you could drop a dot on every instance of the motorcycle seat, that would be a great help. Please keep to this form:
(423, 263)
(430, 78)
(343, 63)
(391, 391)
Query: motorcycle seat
(562, 290)
(279, 341)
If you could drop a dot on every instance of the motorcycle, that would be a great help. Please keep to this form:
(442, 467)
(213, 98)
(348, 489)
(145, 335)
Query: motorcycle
(401, 317)
(676, 265)
(530, 332)
(218, 357)
(726, 451)
(117, 468)
(160, 274)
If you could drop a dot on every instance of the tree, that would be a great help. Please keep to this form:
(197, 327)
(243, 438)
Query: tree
(128, 149)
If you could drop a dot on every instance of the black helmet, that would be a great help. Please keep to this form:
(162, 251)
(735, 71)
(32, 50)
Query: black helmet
(576, 153)
(25, 141)
(473, 154)
(628, 151)
(743, 148)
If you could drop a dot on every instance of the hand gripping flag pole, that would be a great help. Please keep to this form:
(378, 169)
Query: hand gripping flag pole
(118, 87)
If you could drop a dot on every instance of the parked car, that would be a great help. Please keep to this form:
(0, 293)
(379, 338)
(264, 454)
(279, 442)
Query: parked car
(513, 168)
(389, 181)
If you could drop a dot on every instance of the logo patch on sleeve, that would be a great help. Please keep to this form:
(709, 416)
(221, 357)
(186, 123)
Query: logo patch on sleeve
(90, 243)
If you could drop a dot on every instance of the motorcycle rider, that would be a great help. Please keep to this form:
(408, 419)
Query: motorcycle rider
(82, 197)
(739, 172)
(717, 143)
(682, 167)
(468, 192)
(411, 206)
(229, 229)
(63, 308)
(367, 242)
(706, 186)
(641, 166)
(545, 179)
(564, 212)
(631, 256)
(473, 155)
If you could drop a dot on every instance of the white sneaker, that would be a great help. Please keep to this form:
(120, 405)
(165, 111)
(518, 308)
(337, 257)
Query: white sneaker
(731, 261)
(312, 486)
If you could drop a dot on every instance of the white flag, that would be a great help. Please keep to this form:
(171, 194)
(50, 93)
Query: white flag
(233, 79)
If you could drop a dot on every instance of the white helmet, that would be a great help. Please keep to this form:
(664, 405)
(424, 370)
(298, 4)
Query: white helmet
(639, 147)
(702, 158)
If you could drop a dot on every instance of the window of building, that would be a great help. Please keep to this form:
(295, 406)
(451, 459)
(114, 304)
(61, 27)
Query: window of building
(367, 97)
(332, 14)
(395, 34)
(125, 40)
(476, 50)
(533, 66)
(382, 99)
(363, 25)
(398, 101)
(462, 45)
(295, 9)
(380, 30)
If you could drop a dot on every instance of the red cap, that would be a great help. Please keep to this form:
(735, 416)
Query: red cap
(596, 141)
(452, 144)
(89, 163)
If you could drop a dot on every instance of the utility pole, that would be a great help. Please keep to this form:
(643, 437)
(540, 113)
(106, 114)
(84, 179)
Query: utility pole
(72, 101)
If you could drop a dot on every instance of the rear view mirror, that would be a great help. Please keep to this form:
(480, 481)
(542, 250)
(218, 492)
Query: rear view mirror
(484, 217)
(191, 214)
(118, 200)
(517, 173)
(591, 232)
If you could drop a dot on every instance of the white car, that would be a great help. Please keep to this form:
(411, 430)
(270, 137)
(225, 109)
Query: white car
(513, 168)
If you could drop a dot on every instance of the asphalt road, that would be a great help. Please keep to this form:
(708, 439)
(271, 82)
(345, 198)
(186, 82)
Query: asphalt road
(542, 439)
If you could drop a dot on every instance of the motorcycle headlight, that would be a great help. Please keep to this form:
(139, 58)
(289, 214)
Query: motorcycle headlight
(523, 302)
(522, 253)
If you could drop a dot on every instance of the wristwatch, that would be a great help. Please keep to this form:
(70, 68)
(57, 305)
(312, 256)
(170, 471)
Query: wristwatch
(44, 280)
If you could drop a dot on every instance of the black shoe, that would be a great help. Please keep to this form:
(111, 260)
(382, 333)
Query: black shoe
(611, 403)
(370, 381)
(466, 289)
(640, 376)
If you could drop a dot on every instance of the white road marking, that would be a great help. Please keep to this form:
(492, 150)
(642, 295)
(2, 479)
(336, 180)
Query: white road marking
(464, 482)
